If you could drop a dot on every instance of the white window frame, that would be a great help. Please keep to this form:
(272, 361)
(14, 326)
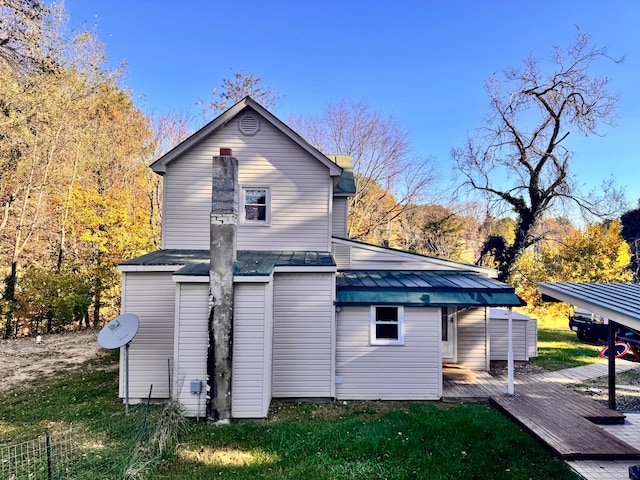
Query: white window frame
(243, 200)
(374, 340)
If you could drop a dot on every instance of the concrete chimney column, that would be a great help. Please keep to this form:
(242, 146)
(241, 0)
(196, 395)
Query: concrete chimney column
(224, 225)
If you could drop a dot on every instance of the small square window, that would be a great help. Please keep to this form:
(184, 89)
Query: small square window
(387, 325)
(256, 205)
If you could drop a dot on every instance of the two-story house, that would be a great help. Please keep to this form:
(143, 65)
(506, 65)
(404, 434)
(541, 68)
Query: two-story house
(315, 315)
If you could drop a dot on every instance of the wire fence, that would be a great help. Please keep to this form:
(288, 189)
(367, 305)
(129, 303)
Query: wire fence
(83, 450)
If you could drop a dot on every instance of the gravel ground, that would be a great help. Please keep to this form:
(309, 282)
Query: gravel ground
(627, 390)
(25, 360)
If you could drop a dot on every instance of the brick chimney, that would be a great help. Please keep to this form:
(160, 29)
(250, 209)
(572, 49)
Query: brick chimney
(224, 225)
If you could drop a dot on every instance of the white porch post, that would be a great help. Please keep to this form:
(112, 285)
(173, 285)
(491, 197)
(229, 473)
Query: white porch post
(510, 357)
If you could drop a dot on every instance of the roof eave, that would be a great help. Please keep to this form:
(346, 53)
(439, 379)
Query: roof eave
(160, 165)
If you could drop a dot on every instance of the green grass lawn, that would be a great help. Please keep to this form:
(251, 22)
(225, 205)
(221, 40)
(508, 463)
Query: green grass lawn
(560, 348)
(367, 440)
(356, 440)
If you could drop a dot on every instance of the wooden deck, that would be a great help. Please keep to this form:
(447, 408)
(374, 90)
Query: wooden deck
(564, 421)
(480, 390)
(544, 405)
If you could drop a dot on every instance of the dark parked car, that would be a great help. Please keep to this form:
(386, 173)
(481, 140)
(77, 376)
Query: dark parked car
(592, 328)
(589, 326)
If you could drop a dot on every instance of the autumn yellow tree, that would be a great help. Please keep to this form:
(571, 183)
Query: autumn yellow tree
(597, 253)
(65, 123)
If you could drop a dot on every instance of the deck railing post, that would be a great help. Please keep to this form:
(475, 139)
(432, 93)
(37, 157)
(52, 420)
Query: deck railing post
(612, 364)
(510, 354)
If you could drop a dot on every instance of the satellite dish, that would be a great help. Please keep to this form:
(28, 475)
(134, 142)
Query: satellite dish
(119, 331)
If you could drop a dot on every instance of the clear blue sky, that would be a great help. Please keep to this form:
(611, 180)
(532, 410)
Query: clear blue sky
(424, 62)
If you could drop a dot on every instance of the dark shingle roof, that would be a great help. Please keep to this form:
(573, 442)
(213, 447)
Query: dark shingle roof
(248, 262)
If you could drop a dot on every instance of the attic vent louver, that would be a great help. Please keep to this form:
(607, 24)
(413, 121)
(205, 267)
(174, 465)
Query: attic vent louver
(249, 125)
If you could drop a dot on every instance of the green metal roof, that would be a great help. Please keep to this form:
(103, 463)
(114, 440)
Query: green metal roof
(619, 302)
(437, 288)
(248, 262)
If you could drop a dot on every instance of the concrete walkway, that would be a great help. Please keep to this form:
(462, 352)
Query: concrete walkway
(612, 470)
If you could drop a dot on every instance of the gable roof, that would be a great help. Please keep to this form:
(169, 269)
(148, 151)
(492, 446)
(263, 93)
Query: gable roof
(433, 288)
(160, 165)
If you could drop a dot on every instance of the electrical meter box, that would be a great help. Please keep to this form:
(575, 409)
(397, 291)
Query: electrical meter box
(196, 387)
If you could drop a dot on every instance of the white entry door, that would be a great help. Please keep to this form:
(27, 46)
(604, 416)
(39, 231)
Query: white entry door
(449, 329)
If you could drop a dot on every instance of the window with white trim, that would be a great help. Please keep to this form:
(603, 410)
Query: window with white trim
(255, 204)
(387, 325)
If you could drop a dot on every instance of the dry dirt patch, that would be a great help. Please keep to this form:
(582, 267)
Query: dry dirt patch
(24, 360)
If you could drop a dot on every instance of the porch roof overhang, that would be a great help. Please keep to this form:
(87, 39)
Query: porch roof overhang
(619, 302)
(432, 288)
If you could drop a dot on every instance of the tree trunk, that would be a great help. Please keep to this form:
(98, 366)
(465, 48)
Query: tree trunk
(521, 242)
(97, 301)
(10, 297)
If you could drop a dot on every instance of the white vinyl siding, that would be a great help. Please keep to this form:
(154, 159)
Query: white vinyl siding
(472, 339)
(299, 185)
(341, 255)
(525, 333)
(339, 217)
(532, 338)
(192, 339)
(151, 296)
(303, 335)
(388, 372)
(186, 211)
(252, 336)
(358, 256)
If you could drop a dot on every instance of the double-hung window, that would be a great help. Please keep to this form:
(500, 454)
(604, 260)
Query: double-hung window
(387, 325)
(255, 201)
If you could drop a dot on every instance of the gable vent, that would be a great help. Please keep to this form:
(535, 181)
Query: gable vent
(249, 125)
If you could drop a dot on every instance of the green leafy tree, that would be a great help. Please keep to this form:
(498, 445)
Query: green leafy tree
(49, 300)
(522, 157)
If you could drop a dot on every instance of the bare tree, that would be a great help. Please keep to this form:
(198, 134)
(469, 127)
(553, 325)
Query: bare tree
(19, 33)
(522, 158)
(383, 165)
